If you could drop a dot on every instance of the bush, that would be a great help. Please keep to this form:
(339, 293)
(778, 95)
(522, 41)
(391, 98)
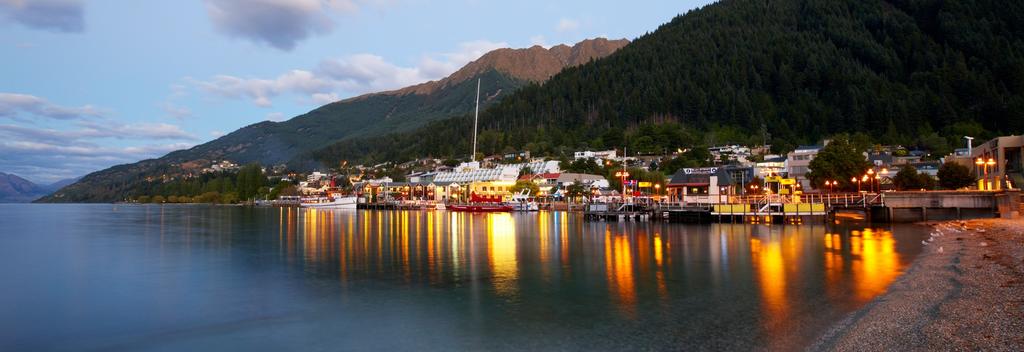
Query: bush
(909, 179)
(955, 176)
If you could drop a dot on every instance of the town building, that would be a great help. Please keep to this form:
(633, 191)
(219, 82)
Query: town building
(798, 163)
(1006, 169)
(601, 155)
(710, 185)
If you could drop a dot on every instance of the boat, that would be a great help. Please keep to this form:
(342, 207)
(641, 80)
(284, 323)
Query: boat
(522, 202)
(330, 202)
(480, 207)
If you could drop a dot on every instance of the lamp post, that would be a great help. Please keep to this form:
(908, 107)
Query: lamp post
(871, 177)
(623, 175)
(657, 190)
(979, 163)
(885, 171)
(990, 163)
(857, 181)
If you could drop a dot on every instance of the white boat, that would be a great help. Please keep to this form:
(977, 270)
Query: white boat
(330, 202)
(522, 202)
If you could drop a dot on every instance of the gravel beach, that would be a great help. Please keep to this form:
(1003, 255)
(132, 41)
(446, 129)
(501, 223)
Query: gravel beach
(965, 292)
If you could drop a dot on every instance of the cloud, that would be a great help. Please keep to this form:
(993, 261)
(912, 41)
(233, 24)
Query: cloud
(48, 162)
(324, 98)
(280, 23)
(567, 25)
(12, 105)
(275, 116)
(64, 145)
(539, 40)
(53, 15)
(351, 75)
(261, 91)
(175, 111)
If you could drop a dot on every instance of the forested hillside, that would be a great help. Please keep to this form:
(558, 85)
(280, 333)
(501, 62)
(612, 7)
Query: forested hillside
(912, 72)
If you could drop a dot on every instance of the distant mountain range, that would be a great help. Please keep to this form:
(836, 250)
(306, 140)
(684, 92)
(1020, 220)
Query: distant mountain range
(15, 189)
(501, 72)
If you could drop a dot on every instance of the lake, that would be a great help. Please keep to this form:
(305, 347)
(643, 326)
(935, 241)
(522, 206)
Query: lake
(183, 278)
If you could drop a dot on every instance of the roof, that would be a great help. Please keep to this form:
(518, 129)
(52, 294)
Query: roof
(682, 178)
(809, 148)
(570, 177)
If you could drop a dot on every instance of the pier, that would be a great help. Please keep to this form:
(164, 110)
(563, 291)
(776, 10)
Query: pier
(870, 207)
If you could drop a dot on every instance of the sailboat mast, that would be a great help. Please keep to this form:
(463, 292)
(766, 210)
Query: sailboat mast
(476, 117)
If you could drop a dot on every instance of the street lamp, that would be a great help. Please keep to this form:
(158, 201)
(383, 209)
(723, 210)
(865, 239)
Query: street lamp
(623, 175)
(990, 163)
(870, 177)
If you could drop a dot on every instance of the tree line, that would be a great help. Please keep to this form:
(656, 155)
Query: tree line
(248, 183)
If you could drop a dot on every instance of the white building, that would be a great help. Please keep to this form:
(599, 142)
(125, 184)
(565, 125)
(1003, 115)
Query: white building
(798, 163)
(603, 155)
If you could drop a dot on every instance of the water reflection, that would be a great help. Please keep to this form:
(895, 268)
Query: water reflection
(851, 265)
(482, 281)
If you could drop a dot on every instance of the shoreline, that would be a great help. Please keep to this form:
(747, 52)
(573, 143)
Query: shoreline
(965, 291)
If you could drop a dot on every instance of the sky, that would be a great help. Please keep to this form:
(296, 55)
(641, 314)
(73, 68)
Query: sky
(88, 84)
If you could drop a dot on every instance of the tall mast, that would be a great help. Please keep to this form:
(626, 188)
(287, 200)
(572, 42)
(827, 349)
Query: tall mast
(476, 117)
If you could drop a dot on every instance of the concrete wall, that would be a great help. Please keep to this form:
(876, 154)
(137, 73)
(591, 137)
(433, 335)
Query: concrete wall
(926, 206)
(951, 199)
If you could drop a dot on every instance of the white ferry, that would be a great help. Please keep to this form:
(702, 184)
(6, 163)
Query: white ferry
(332, 201)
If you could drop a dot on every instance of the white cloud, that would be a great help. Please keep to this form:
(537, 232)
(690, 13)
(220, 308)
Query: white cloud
(567, 25)
(13, 105)
(275, 116)
(52, 15)
(351, 75)
(78, 141)
(261, 91)
(176, 111)
(216, 134)
(539, 40)
(280, 23)
(324, 98)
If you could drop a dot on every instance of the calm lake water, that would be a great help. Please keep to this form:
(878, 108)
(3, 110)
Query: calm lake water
(186, 278)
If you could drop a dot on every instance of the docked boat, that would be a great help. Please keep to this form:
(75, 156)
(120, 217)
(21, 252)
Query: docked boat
(523, 202)
(330, 202)
(480, 207)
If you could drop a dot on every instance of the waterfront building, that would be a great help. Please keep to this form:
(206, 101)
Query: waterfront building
(1007, 167)
(710, 185)
(772, 165)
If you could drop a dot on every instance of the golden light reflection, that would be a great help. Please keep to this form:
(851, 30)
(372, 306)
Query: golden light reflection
(543, 234)
(767, 257)
(501, 252)
(619, 270)
(874, 264)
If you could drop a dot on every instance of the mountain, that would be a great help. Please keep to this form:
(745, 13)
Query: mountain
(501, 72)
(14, 189)
(920, 73)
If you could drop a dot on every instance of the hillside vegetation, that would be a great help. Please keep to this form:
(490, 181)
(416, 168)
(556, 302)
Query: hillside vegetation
(911, 72)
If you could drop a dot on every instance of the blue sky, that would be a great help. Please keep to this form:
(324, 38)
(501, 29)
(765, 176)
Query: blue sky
(87, 84)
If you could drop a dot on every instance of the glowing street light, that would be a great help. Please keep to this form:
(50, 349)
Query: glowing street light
(623, 175)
